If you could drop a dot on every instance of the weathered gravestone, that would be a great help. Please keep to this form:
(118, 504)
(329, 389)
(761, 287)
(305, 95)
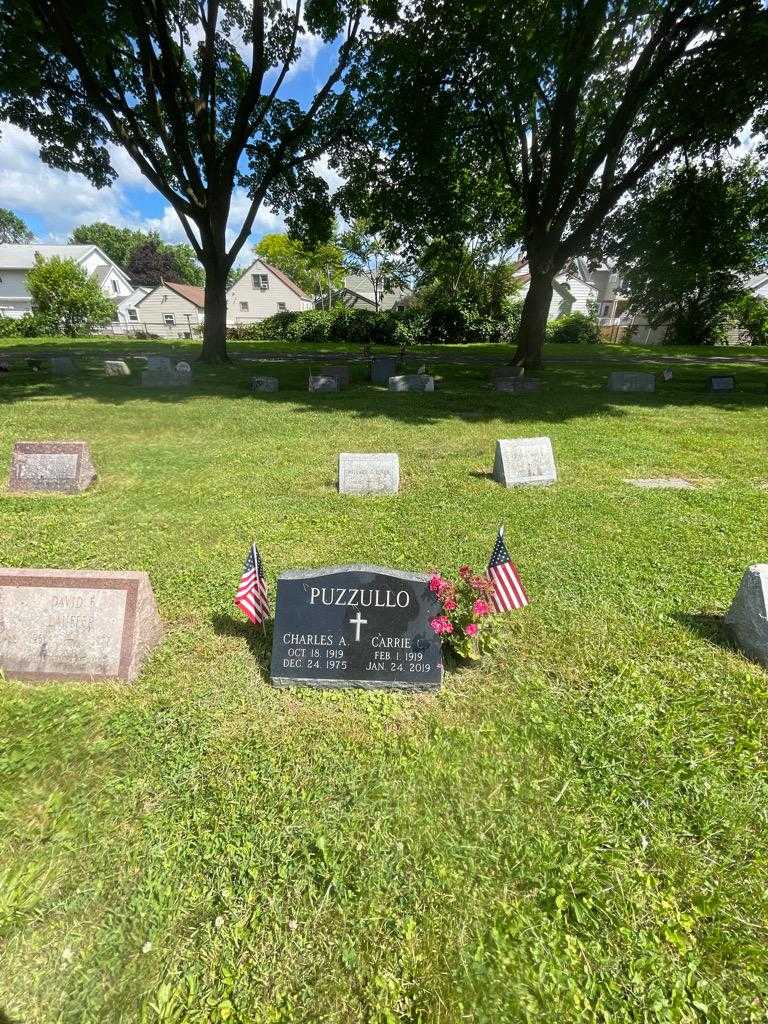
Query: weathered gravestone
(340, 372)
(382, 368)
(725, 383)
(265, 384)
(62, 366)
(116, 368)
(362, 473)
(666, 375)
(524, 460)
(747, 618)
(412, 382)
(161, 364)
(62, 624)
(622, 380)
(318, 382)
(62, 466)
(166, 375)
(506, 371)
(518, 385)
(656, 483)
(356, 625)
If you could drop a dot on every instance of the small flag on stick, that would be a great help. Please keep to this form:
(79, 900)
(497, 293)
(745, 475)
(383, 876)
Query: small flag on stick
(251, 596)
(508, 590)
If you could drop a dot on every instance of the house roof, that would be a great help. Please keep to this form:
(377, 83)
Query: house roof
(287, 281)
(22, 257)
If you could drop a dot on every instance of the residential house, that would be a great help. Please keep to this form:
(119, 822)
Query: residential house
(17, 260)
(171, 310)
(127, 313)
(358, 292)
(572, 292)
(262, 291)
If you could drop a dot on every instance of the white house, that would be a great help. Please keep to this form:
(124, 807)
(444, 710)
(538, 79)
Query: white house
(169, 310)
(573, 292)
(126, 308)
(359, 293)
(17, 260)
(262, 291)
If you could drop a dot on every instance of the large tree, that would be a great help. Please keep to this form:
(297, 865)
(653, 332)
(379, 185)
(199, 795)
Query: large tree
(12, 228)
(367, 255)
(142, 254)
(194, 93)
(562, 107)
(686, 245)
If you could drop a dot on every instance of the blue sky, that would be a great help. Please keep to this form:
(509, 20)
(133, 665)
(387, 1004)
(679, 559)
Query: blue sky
(52, 202)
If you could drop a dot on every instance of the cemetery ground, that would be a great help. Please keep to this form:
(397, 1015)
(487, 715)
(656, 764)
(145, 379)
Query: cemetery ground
(572, 832)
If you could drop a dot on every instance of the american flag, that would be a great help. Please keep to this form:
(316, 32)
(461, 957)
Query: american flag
(508, 590)
(251, 596)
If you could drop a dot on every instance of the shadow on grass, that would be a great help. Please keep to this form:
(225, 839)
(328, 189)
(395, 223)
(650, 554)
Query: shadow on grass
(5, 1019)
(708, 626)
(464, 392)
(259, 642)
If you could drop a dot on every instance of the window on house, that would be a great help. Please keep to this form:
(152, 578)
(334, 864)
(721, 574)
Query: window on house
(260, 281)
(114, 287)
(605, 309)
(133, 314)
(170, 319)
(243, 307)
(281, 307)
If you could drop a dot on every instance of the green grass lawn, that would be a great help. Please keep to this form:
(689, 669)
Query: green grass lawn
(575, 832)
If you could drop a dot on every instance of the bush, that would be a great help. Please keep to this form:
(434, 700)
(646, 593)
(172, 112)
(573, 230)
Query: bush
(30, 325)
(573, 329)
(65, 299)
(750, 314)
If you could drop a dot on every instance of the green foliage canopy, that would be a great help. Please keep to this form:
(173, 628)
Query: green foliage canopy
(12, 228)
(66, 299)
(315, 268)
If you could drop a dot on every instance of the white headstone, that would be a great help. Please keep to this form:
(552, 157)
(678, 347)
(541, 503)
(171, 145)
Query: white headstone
(622, 380)
(524, 460)
(363, 473)
(116, 368)
(323, 383)
(412, 382)
(747, 618)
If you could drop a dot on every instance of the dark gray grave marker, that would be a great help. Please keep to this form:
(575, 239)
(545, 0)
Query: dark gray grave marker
(356, 626)
(721, 383)
(382, 368)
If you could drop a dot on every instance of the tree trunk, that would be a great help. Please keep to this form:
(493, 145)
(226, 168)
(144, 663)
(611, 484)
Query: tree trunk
(215, 323)
(533, 322)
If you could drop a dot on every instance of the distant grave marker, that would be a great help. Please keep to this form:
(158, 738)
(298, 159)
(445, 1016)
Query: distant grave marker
(362, 473)
(116, 368)
(62, 366)
(623, 380)
(412, 382)
(340, 372)
(265, 384)
(523, 461)
(721, 383)
(356, 626)
(62, 624)
(52, 466)
(322, 382)
(382, 368)
(672, 483)
(518, 385)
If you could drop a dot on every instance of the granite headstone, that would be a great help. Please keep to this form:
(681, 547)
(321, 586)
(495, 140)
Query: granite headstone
(116, 368)
(62, 624)
(356, 626)
(518, 385)
(363, 473)
(265, 384)
(62, 366)
(320, 382)
(60, 466)
(412, 382)
(721, 383)
(622, 380)
(340, 372)
(161, 364)
(747, 618)
(382, 368)
(524, 460)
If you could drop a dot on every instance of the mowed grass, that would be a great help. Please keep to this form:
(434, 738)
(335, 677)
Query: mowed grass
(574, 832)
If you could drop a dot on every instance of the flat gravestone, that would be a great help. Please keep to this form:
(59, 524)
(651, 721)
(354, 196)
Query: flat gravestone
(60, 466)
(172, 378)
(747, 618)
(622, 380)
(382, 368)
(62, 624)
(666, 374)
(524, 460)
(671, 483)
(504, 372)
(518, 385)
(160, 363)
(323, 383)
(62, 366)
(356, 626)
(412, 382)
(341, 373)
(362, 473)
(265, 384)
(116, 368)
(725, 383)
